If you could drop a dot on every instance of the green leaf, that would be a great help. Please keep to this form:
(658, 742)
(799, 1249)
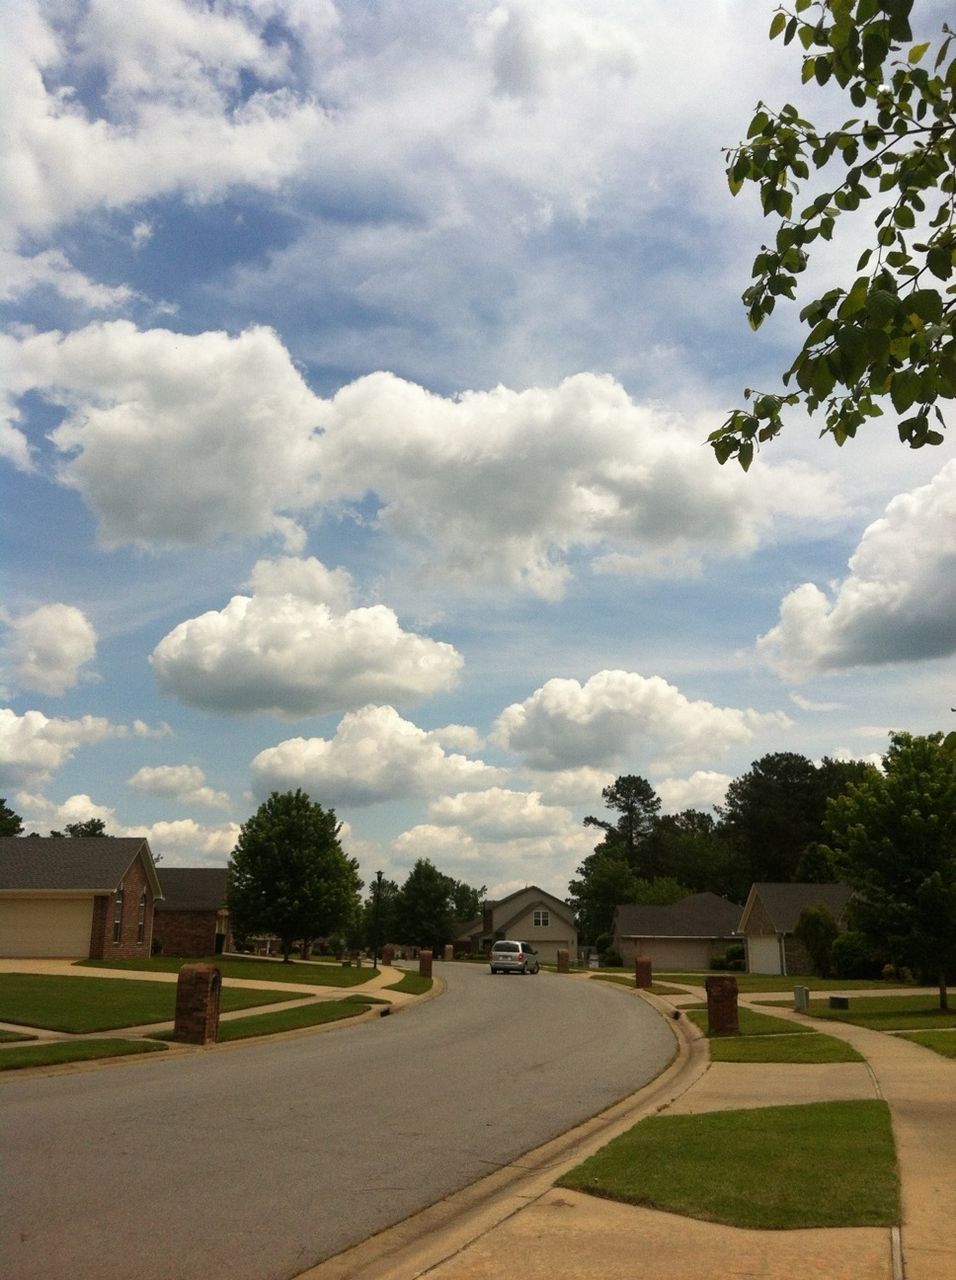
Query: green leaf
(777, 24)
(914, 55)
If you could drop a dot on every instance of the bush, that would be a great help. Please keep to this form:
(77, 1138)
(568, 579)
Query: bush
(611, 959)
(733, 959)
(817, 930)
(851, 957)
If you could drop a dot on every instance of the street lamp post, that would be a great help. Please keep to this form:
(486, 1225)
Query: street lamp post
(377, 919)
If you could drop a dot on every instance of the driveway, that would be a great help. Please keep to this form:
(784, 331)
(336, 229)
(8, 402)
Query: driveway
(259, 1160)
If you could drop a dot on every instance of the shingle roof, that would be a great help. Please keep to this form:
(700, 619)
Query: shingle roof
(784, 902)
(93, 863)
(192, 888)
(699, 915)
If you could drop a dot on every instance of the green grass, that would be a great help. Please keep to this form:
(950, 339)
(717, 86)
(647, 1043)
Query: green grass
(412, 984)
(777, 982)
(943, 1042)
(8, 1037)
(888, 1013)
(53, 1053)
(306, 972)
(658, 988)
(750, 1022)
(304, 1015)
(799, 1049)
(85, 1004)
(829, 1164)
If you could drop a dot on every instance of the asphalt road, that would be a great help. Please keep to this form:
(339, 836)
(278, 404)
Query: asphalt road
(258, 1162)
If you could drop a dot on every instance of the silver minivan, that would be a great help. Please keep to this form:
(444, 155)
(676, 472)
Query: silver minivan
(510, 956)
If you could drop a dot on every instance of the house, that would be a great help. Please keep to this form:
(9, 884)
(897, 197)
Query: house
(530, 914)
(684, 935)
(192, 919)
(77, 897)
(770, 916)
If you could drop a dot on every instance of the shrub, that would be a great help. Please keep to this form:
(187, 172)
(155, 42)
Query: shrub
(611, 959)
(817, 930)
(851, 957)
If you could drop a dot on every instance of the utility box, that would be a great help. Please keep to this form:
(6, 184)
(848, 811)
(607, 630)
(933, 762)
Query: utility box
(801, 999)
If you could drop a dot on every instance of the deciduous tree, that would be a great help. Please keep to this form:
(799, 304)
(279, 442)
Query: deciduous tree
(888, 332)
(10, 822)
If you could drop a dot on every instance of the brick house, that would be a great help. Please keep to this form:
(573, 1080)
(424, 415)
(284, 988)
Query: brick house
(77, 898)
(192, 919)
(531, 915)
(770, 916)
(683, 935)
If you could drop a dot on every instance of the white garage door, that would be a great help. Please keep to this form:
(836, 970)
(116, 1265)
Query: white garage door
(46, 927)
(763, 955)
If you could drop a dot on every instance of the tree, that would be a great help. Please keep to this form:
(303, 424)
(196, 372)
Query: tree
(895, 837)
(288, 874)
(91, 827)
(606, 881)
(637, 802)
(888, 332)
(10, 822)
(817, 930)
(380, 913)
(467, 901)
(425, 915)
(689, 847)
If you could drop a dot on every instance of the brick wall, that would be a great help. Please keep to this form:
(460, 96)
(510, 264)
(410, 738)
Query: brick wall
(186, 933)
(129, 946)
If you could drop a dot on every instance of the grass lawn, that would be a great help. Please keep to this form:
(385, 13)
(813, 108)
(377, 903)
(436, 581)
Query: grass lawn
(658, 988)
(751, 1023)
(763, 1038)
(943, 1042)
(829, 1164)
(52, 1054)
(776, 982)
(8, 1037)
(304, 1015)
(313, 974)
(102, 1004)
(412, 984)
(889, 1013)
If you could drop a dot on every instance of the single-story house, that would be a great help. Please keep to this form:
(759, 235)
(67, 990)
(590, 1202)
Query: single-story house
(683, 935)
(770, 916)
(192, 919)
(532, 915)
(77, 897)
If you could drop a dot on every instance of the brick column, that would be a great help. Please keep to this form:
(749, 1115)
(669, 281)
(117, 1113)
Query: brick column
(449, 951)
(197, 1004)
(424, 964)
(722, 1005)
(388, 953)
(643, 973)
(564, 960)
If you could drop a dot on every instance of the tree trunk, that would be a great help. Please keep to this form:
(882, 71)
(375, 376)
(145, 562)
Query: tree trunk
(943, 994)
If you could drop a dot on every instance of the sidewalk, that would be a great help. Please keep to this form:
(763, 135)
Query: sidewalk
(528, 1227)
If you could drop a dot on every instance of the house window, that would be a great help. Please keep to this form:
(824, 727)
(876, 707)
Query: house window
(542, 919)
(118, 916)
(141, 926)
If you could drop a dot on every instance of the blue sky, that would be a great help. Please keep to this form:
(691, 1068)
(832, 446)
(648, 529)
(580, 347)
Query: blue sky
(357, 360)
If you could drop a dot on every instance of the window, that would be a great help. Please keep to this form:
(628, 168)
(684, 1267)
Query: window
(118, 915)
(141, 926)
(541, 919)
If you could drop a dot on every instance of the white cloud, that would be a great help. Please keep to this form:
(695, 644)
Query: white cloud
(33, 746)
(291, 654)
(808, 704)
(185, 783)
(52, 269)
(701, 790)
(500, 814)
(43, 815)
(187, 843)
(898, 602)
(49, 646)
(616, 713)
(374, 756)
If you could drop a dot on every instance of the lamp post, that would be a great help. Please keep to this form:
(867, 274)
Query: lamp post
(377, 919)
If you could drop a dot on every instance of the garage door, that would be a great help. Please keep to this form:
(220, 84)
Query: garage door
(763, 955)
(46, 927)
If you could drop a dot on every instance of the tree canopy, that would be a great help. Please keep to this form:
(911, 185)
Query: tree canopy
(288, 874)
(10, 822)
(888, 332)
(894, 837)
(91, 827)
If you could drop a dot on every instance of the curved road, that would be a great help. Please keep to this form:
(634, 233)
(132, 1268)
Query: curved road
(259, 1162)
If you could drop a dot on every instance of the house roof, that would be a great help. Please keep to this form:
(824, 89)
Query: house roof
(783, 903)
(90, 864)
(699, 915)
(192, 888)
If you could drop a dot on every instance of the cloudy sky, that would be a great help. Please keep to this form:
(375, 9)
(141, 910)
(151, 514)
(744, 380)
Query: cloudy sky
(356, 363)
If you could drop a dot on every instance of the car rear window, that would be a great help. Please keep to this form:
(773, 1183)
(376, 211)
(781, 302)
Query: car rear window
(506, 946)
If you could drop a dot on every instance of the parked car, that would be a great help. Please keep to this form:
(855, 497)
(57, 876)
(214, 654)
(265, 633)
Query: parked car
(511, 956)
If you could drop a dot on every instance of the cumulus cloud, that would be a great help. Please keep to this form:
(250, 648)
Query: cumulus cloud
(898, 602)
(185, 783)
(33, 746)
(44, 815)
(702, 790)
(293, 655)
(184, 842)
(501, 814)
(617, 713)
(20, 274)
(374, 756)
(48, 648)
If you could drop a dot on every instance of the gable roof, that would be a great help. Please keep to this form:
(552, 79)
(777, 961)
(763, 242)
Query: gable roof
(87, 864)
(699, 915)
(193, 888)
(783, 903)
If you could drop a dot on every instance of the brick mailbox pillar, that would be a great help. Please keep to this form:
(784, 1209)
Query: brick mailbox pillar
(449, 951)
(722, 1005)
(388, 953)
(564, 960)
(643, 973)
(197, 1004)
(424, 964)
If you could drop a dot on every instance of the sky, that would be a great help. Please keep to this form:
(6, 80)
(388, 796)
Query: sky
(357, 365)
